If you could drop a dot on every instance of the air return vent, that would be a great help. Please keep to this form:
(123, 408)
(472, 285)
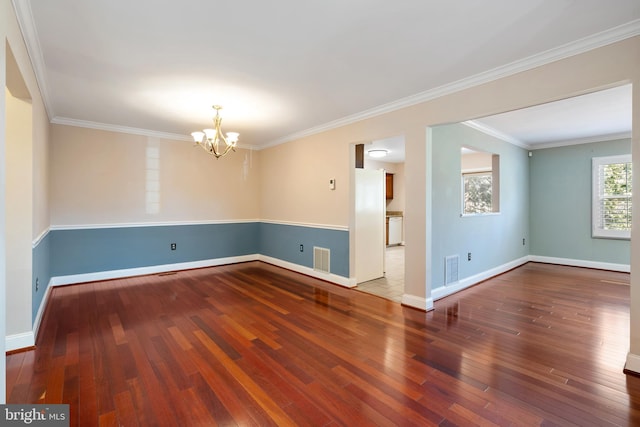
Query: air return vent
(451, 269)
(321, 258)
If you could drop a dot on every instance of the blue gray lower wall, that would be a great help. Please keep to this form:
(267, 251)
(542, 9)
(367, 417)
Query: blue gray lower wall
(283, 242)
(84, 251)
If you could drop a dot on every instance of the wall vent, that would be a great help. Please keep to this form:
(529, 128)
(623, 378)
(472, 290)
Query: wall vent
(451, 269)
(321, 257)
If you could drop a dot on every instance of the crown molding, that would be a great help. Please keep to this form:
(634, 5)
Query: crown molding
(31, 40)
(130, 130)
(578, 141)
(117, 128)
(495, 133)
(604, 38)
(539, 146)
(613, 35)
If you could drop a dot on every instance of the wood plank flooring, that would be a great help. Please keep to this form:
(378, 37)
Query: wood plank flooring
(253, 344)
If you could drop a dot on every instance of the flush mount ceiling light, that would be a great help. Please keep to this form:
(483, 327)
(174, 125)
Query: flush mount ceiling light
(377, 153)
(213, 140)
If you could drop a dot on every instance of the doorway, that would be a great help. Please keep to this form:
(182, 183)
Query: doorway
(391, 285)
(390, 160)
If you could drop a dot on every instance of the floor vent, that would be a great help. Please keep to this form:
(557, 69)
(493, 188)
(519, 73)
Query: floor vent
(321, 258)
(451, 269)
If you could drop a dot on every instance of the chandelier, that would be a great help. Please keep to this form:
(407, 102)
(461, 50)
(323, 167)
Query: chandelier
(213, 141)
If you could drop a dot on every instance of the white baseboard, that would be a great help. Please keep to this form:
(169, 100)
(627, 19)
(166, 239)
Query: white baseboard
(633, 363)
(452, 288)
(141, 271)
(421, 303)
(18, 341)
(625, 268)
(329, 277)
(27, 339)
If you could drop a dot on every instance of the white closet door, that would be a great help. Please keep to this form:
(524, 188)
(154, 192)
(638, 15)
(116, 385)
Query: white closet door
(369, 224)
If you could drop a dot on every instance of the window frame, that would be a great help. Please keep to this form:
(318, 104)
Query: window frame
(597, 230)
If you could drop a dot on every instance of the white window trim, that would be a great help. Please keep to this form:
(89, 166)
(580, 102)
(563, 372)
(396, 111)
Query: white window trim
(596, 230)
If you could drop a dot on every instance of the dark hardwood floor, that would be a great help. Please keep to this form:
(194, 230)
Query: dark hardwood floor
(253, 344)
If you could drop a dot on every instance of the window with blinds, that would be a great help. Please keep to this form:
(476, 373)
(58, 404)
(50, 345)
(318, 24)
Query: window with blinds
(612, 190)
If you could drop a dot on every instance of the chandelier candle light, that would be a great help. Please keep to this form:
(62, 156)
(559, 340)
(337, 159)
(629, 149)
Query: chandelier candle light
(210, 139)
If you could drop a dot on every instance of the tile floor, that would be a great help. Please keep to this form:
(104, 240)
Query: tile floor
(391, 286)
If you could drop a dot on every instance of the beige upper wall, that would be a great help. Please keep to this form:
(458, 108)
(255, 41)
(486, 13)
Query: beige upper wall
(295, 181)
(296, 172)
(104, 178)
(18, 206)
(22, 77)
(41, 178)
(15, 290)
(283, 196)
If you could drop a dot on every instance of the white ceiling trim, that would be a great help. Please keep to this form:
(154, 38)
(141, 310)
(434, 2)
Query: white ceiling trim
(30, 36)
(586, 44)
(117, 128)
(131, 130)
(495, 133)
(563, 143)
(586, 140)
(631, 29)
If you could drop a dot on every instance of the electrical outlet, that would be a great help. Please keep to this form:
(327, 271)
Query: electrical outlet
(523, 241)
(173, 246)
(37, 283)
(301, 248)
(468, 256)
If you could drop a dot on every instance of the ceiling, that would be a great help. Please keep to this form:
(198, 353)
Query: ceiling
(597, 116)
(285, 68)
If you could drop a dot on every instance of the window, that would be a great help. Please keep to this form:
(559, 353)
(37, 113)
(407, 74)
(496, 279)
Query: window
(611, 205)
(477, 192)
(480, 181)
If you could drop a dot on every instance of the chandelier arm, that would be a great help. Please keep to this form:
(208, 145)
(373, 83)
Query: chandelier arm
(210, 142)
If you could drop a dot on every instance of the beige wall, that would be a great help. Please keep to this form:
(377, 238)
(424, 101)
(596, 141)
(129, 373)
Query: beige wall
(19, 206)
(295, 182)
(102, 178)
(23, 85)
(19, 65)
(41, 178)
(476, 161)
(594, 70)
(289, 182)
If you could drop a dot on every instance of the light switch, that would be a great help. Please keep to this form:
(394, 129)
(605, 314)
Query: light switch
(332, 184)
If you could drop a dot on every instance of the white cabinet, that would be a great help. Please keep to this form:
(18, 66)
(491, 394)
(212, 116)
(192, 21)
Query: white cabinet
(395, 230)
